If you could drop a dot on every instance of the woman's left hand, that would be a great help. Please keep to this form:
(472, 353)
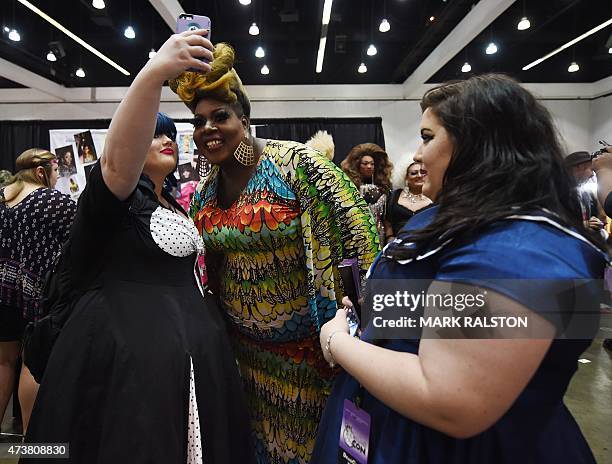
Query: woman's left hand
(337, 324)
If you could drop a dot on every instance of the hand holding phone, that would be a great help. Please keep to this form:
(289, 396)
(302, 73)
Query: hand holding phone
(189, 22)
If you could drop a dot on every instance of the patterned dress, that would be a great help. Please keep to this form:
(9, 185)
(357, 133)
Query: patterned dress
(281, 240)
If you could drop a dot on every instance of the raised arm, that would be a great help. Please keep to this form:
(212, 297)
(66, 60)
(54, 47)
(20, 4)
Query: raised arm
(133, 124)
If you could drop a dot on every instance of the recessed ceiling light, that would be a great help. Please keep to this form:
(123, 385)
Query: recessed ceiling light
(152, 53)
(265, 70)
(129, 32)
(362, 68)
(245, 2)
(14, 35)
(491, 49)
(254, 30)
(51, 56)
(99, 4)
(80, 72)
(260, 53)
(466, 67)
(372, 50)
(432, 19)
(523, 24)
(610, 50)
(6, 29)
(73, 36)
(573, 67)
(384, 26)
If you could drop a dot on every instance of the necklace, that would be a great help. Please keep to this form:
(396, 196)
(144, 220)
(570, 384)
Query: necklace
(411, 197)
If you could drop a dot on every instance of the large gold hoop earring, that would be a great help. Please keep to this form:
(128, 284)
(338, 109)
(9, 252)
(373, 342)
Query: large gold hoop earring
(244, 153)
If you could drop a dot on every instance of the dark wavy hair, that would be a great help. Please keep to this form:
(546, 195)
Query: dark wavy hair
(382, 166)
(507, 158)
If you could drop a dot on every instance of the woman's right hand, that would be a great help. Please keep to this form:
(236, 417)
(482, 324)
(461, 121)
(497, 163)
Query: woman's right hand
(181, 52)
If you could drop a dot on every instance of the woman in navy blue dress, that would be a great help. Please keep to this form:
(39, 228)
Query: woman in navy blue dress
(507, 225)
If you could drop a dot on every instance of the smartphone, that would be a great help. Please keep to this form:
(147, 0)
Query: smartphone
(349, 273)
(190, 22)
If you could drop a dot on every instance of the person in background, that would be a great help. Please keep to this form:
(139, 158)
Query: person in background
(602, 165)
(368, 166)
(322, 141)
(508, 212)
(406, 202)
(35, 221)
(143, 371)
(580, 167)
(277, 219)
(5, 177)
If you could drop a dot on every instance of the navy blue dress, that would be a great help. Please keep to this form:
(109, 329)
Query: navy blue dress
(538, 427)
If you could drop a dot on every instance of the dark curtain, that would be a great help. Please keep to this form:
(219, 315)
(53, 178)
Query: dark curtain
(347, 132)
(18, 136)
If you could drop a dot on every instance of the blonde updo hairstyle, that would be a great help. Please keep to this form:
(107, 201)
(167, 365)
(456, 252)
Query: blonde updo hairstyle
(26, 165)
(221, 83)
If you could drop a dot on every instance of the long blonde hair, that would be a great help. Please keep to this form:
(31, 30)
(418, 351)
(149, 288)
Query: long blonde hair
(26, 165)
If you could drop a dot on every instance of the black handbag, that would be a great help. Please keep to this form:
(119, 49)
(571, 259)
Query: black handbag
(58, 298)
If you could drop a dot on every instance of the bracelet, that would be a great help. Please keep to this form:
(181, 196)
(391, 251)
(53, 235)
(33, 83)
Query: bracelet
(332, 362)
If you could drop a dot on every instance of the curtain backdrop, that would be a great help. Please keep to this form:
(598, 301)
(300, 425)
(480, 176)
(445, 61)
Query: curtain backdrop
(18, 136)
(347, 132)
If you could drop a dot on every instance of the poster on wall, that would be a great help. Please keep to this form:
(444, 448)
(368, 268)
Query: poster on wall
(86, 146)
(66, 162)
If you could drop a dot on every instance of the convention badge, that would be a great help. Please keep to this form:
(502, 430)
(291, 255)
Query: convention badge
(354, 435)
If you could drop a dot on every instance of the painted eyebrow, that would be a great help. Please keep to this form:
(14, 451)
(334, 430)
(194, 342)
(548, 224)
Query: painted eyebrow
(199, 115)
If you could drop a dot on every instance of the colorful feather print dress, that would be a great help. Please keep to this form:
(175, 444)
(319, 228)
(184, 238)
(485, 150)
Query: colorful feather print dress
(281, 241)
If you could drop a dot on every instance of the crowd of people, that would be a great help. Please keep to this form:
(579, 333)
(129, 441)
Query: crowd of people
(259, 363)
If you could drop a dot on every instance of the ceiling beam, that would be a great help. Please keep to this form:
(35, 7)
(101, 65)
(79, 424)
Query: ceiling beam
(169, 10)
(481, 16)
(22, 76)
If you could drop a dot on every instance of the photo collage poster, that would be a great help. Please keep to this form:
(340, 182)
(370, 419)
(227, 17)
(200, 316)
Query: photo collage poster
(78, 150)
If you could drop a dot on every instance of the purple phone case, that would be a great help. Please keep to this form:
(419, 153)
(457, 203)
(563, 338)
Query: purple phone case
(187, 21)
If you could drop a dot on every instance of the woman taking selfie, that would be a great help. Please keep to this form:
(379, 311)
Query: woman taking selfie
(505, 206)
(143, 370)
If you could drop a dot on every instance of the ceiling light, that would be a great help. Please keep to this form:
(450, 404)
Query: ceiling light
(73, 36)
(362, 68)
(80, 72)
(372, 50)
(260, 53)
(523, 24)
(384, 26)
(152, 53)
(466, 67)
(129, 32)
(321, 54)
(264, 70)
(568, 44)
(245, 2)
(254, 30)
(610, 50)
(491, 49)
(432, 19)
(573, 67)
(6, 29)
(14, 35)
(51, 56)
(99, 4)
(327, 7)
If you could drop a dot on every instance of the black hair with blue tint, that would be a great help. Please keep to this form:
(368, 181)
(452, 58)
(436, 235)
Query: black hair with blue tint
(165, 126)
